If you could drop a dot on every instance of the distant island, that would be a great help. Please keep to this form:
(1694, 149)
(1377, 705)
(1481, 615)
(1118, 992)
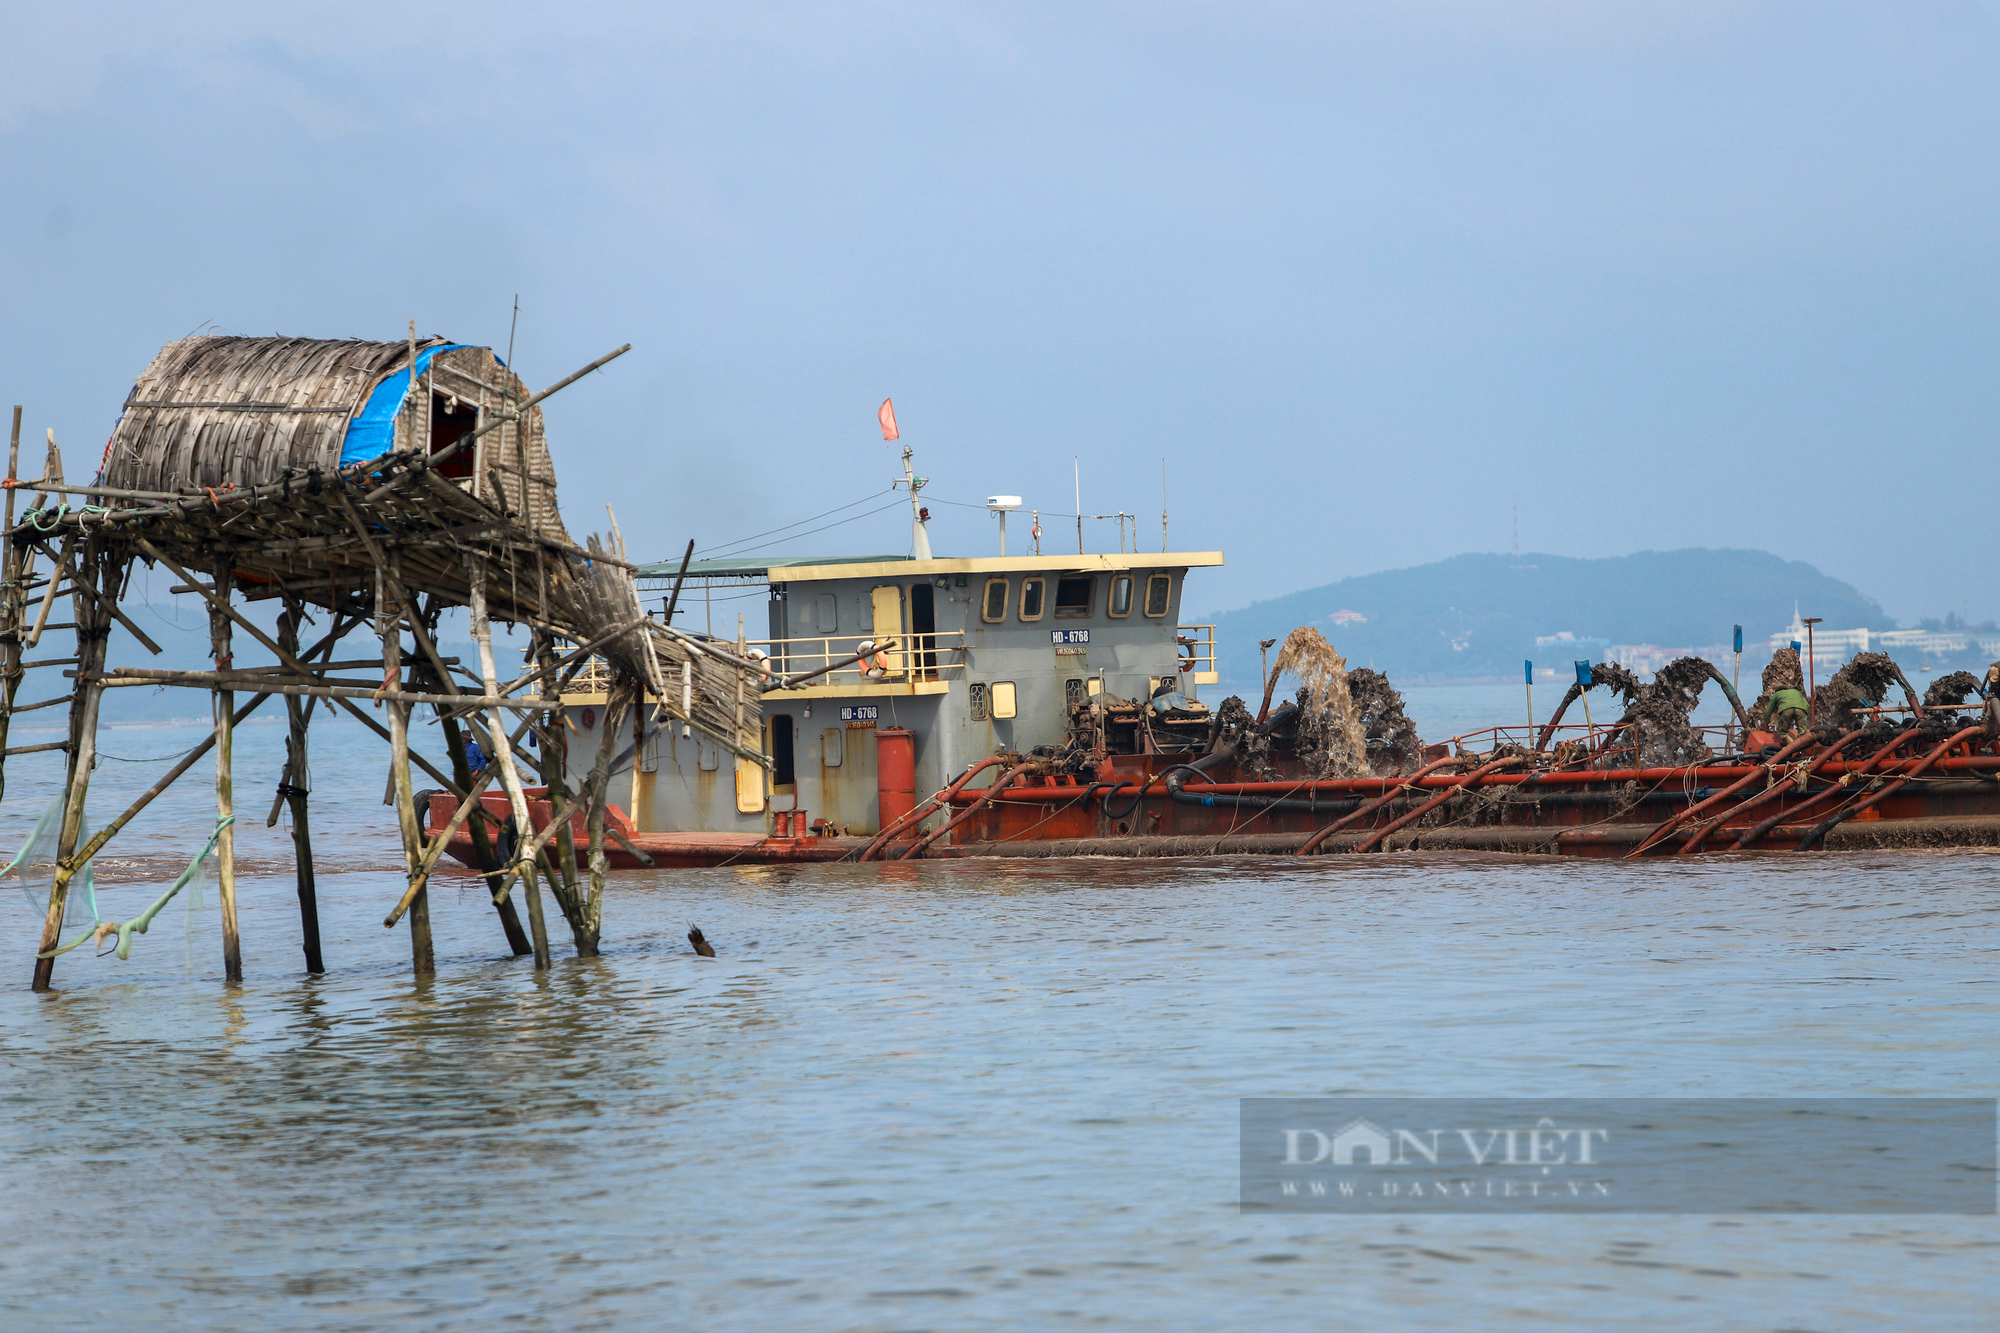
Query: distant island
(1476, 616)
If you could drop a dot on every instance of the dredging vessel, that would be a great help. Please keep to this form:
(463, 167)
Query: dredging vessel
(1049, 705)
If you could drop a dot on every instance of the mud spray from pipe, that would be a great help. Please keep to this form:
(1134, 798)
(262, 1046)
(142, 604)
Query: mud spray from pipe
(1331, 740)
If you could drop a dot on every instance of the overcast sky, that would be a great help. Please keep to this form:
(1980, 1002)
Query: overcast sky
(1363, 275)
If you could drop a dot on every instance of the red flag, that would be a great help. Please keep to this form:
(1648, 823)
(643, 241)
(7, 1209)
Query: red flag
(887, 416)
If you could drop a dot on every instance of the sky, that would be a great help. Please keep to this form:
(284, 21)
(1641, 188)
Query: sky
(1376, 284)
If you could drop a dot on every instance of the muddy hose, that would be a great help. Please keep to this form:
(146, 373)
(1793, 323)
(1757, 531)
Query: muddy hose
(1771, 793)
(1866, 767)
(924, 808)
(1464, 784)
(1668, 825)
(978, 804)
(1370, 807)
(1832, 821)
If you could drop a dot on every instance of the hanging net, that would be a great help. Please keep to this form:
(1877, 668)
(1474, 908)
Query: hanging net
(34, 870)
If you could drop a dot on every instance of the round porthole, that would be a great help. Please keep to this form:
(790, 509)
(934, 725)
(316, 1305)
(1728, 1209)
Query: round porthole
(589, 718)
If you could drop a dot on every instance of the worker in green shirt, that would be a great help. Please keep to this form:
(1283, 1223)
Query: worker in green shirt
(1787, 710)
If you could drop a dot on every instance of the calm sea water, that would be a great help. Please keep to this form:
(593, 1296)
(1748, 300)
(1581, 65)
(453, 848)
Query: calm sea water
(954, 1096)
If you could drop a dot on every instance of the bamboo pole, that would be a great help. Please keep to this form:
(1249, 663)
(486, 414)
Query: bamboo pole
(294, 790)
(388, 621)
(11, 595)
(482, 842)
(225, 781)
(82, 757)
(597, 789)
(503, 758)
(440, 841)
(255, 683)
(549, 759)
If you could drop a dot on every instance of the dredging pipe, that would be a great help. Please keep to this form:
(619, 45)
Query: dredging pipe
(1827, 825)
(1862, 770)
(1770, 793)
(978, 804)
(1312, 844)
(924, 807)
(1463, 785)
(1673, 822)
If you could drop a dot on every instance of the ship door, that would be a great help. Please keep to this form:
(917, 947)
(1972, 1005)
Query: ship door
(923, 625)
(888, 602)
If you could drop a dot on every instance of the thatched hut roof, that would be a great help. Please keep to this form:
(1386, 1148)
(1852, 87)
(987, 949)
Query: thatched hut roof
(218, 412)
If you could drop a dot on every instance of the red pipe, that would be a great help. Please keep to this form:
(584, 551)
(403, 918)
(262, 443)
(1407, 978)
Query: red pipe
(1373, 840)
(965, 814)
(1821, 829)
(1700, 835)
(1316, 839)
(1375, 786)
(1673, 822)
(924, 807)
(1759, 830)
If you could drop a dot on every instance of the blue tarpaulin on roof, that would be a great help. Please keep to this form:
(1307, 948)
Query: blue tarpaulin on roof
(373, 433)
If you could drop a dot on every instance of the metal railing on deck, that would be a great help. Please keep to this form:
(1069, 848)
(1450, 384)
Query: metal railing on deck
(926, 657)
(1198, 642)
(915, 657)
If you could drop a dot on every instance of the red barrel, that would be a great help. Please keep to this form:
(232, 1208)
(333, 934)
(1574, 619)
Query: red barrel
(895, 776)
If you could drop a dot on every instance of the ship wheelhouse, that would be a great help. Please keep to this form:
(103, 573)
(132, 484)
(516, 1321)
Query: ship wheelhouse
(924, 666)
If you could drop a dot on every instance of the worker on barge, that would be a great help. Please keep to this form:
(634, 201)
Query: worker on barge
(1787, 711)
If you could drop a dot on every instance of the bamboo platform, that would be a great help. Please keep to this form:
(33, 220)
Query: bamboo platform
(378, 483)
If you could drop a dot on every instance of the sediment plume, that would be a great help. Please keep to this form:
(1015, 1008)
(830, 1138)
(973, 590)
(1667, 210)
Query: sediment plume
(1331, 742)
(1393, 745)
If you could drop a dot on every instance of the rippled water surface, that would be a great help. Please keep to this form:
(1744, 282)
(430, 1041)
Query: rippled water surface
(955, 1095)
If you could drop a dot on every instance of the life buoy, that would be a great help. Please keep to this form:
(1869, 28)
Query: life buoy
(878, 665)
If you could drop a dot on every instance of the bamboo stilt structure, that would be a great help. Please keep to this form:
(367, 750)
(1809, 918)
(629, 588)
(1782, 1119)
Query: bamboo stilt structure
(503, 758)
(320, 473)
(225, 780)
(295, 791)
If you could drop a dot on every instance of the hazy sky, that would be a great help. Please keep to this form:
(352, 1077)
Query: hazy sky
(1671, 274)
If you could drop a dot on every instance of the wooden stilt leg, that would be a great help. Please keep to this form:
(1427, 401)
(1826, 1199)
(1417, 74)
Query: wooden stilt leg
(91, 634)
(599, 785)
(225, 783)
(482, 843)
(503, 756)
(563, 881)
(295, 793)
(389, 619)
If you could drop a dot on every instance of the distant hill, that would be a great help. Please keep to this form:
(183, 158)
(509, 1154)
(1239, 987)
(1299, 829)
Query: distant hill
(1479, 615)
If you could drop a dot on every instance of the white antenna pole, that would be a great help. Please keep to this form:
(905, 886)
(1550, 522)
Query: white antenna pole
(1077, 463)
(1163, 506)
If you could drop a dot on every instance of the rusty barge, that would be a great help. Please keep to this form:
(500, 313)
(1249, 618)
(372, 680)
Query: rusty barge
(1049, 705)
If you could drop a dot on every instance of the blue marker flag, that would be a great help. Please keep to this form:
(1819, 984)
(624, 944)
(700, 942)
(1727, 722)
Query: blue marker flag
(1528, 672)
(1739, 638)
(1583, 674)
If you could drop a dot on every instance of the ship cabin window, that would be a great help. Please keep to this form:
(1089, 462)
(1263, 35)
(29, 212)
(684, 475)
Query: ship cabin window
(1121, 596)
(1032, 593)
(993, 607)
(451, 421)
(1073, 596)
(1003, 699)
(826, 613)
(978, 701)
(1159, 591)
